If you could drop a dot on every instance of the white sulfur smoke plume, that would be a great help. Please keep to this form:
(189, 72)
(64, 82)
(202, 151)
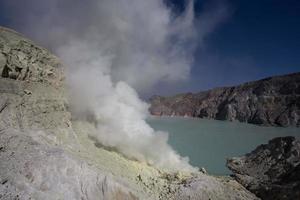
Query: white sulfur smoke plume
(115, 107)
(111, 47)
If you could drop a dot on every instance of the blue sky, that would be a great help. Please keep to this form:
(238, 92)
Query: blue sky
(258, 38)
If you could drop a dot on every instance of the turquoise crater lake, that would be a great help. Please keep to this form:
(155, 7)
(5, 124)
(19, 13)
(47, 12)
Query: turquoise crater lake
(208, 143)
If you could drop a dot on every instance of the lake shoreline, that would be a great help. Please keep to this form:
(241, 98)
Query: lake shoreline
(208, 143)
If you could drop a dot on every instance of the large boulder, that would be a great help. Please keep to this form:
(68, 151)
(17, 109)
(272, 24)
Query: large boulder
(271, 171)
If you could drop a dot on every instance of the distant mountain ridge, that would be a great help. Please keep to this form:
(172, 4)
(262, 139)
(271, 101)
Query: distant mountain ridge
(273, 101)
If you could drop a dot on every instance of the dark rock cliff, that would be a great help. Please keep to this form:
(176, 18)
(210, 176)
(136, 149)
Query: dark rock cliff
(271, 171)
(273, 101)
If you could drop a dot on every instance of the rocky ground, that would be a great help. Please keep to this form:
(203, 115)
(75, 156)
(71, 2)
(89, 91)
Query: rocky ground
(271, 171)
(45, 154)
(273, 101)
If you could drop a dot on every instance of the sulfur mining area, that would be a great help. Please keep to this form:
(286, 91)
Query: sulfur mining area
(46, 153)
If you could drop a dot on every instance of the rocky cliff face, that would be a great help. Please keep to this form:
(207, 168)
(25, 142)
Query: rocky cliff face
(272, 171)
(45, 154)
(273, 101)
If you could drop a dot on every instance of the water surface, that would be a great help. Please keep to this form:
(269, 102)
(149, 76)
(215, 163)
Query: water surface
(209, 142)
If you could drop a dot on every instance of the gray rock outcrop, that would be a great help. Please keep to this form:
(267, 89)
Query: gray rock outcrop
(271, 171)
(45, 154)
(273, 101)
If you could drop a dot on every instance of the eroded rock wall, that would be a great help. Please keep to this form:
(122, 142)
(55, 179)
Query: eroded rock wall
(273, 101)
